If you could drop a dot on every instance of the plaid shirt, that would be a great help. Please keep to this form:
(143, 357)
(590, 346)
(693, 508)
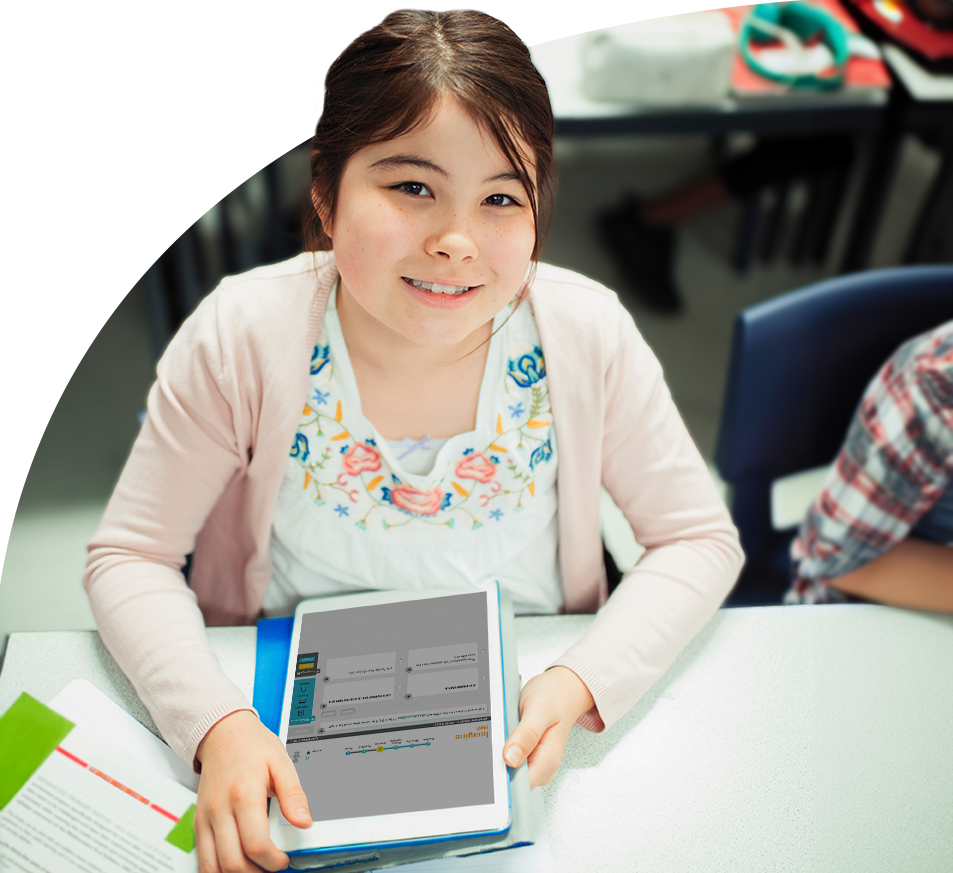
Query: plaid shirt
(893, 475)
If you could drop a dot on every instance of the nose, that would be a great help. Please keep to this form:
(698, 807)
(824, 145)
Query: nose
(453, 237)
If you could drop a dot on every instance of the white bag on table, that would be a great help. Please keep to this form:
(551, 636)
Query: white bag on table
(683, 60)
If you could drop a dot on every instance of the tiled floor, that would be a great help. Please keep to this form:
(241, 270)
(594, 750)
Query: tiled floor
(96, 419)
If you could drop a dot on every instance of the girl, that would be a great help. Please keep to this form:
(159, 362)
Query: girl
(414, 401)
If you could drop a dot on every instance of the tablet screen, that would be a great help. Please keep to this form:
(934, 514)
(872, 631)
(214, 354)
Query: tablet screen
(391, 708)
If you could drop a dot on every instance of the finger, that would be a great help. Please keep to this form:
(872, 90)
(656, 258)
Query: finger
(543, 762)
(205, 853)
(256, 837)
(228, 847)
(288, 791)
(536, 720)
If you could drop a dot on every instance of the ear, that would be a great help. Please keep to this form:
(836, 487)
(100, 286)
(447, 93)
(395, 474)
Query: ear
(321, 208)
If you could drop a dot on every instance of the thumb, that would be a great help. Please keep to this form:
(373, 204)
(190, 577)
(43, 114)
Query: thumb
(526, 736)
(290, 796)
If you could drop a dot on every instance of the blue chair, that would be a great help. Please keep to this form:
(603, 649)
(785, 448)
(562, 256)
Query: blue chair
(799, 366)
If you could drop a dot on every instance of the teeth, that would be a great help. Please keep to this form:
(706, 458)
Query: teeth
(439, 289)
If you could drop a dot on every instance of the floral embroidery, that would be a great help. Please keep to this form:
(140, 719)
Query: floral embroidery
(417, 502)
(476, 467)
(320, 357)
(541, 455)
(483, 482)
(527, 369)
(300, 448)
(359, 458)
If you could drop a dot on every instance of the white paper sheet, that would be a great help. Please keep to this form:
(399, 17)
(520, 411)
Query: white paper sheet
(85, 705)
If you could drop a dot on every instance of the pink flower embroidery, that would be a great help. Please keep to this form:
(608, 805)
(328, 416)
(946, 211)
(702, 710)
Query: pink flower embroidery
(421, 502)
(476, 467)
(361, 457)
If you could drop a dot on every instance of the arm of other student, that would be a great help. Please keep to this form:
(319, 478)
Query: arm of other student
(915, 574)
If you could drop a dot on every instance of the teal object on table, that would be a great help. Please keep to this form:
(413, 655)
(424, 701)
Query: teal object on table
(806, 22)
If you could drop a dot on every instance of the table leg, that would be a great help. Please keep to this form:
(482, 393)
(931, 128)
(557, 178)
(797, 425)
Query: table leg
(939, 200)
(875, 186)
(143, 233)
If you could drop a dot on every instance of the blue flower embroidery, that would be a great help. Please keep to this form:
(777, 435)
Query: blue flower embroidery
(344, 449)
(300, 448)
(496, 514)
(385, 495)
(321, 397)
(370, 442)
(527, 369)
(467, 452)
(340, 510)
(518, 410)
(445, 503)
(541, 455)
(319, 357)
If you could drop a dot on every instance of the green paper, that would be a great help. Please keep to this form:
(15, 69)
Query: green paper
(29, 733)
(182, 836)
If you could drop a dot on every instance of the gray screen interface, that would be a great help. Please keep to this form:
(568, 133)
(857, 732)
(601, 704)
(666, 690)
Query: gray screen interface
(391, 708)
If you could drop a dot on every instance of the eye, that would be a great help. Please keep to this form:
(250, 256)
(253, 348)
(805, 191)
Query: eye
(501, 200)
(414, 189)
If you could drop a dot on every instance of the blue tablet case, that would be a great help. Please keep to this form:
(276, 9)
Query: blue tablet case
(273, 650)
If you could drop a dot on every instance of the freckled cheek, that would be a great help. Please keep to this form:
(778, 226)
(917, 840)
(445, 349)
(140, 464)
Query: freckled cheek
(510, 248)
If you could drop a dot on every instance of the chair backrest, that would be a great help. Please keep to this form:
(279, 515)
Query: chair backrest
(799, 366)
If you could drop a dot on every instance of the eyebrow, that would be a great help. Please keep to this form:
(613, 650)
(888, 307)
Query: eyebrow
(424, 164)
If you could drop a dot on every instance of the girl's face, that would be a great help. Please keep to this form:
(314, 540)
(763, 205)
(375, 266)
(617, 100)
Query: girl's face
(432, 234)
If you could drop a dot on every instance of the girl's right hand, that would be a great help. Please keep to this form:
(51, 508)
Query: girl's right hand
(243, 764)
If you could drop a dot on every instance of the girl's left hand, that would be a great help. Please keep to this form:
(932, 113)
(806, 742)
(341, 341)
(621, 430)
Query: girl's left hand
(550, 703)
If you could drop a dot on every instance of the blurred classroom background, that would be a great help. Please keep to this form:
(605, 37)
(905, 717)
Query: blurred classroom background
(97, 417)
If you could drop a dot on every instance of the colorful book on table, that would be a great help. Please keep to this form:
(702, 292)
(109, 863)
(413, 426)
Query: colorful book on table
(70, 801)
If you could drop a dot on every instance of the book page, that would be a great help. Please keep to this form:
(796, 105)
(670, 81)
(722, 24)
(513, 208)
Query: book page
(72, 802)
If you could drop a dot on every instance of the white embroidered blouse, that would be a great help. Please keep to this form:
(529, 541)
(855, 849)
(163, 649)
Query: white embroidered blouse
(357, 512)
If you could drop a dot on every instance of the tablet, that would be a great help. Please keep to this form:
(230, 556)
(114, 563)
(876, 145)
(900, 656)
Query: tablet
(394, 718)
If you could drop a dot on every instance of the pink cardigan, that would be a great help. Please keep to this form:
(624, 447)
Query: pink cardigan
(204, 472)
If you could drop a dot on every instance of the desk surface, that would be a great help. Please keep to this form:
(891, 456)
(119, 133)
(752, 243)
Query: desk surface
(783, 738)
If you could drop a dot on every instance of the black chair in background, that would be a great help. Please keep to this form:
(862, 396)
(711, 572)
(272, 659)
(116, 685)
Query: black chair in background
(799, 366)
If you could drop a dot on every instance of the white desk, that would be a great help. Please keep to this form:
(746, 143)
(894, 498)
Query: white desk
(784, 738)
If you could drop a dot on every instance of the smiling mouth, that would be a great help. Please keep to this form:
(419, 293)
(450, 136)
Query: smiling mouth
(434, 288)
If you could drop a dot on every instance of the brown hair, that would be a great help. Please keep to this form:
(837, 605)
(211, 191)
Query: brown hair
(386, 83)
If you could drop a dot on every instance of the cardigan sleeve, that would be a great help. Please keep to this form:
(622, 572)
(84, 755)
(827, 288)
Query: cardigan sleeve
(147, 615)
(657, 478)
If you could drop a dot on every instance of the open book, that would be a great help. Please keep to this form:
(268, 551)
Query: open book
(71, 801)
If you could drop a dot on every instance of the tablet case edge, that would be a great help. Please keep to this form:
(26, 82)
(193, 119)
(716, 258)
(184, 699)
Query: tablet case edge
(273, 649)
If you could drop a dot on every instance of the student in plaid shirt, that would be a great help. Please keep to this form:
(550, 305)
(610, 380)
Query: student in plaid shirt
(882, 527)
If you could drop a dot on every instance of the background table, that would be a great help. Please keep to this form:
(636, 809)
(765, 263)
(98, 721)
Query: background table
(783, 738)
(553, 30)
